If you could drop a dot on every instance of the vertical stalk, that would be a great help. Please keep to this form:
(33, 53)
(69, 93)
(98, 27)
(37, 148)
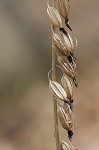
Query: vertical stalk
(54, 98)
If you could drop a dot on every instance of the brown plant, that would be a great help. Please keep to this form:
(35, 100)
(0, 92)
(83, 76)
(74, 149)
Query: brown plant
(63, 46)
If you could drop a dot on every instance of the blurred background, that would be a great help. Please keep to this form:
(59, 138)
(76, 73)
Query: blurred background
(26, 108)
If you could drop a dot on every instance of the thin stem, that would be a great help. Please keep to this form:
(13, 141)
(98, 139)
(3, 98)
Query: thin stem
(54, 98)
(56, 123)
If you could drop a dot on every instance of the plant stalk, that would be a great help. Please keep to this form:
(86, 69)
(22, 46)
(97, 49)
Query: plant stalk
(54, 98)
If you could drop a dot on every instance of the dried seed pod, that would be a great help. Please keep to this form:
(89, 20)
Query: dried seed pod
(63, 8)
(68, 86)
(71, 114)
(68, 110)
(65, 118)
(58, 90)
(67, 67)
(54, 17)
(68, 40)
(73, 39)
(61, 47)
(66, 146)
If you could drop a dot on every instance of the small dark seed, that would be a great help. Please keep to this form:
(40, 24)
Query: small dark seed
(70, 134)
(70, 59)
(71, 101)
(75, 82)
(64, 31)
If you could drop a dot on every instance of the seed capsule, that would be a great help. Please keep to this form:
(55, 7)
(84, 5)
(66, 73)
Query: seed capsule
(58, 90)
(63, 8)
(71, 114)
(54, 17)
(61, 46)
(73, 40)
(68, 110)
(67, 67)
(69, 41)
(68, 86)
(64, 116)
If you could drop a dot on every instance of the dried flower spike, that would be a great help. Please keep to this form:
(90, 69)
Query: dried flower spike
(54, 16)
(63, 46)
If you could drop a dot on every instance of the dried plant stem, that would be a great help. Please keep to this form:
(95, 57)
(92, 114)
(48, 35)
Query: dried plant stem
(54, 98)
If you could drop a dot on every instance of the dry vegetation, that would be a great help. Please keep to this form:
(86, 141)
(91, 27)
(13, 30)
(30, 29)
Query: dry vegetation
(63, 46)
(25, 101)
